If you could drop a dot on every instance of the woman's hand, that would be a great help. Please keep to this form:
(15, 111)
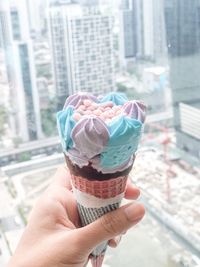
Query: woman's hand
(53, 237)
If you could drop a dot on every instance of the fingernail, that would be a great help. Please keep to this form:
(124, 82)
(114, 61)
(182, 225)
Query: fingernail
(134, 212)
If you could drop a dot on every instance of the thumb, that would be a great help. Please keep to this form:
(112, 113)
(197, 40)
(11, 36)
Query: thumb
(110, 225)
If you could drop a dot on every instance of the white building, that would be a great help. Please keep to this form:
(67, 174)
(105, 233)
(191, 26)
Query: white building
(190, 120)
(37, 15)
(4, 86)
(82, 50)
(24, 103)
(128, 40)
(155, 46)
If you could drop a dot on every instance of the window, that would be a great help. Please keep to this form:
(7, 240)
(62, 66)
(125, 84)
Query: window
(86, 30)
(78, 22)
(81, 63)
(147, 49)
(92, 38)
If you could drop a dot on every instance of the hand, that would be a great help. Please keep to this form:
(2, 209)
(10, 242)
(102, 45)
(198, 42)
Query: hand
(53, 238)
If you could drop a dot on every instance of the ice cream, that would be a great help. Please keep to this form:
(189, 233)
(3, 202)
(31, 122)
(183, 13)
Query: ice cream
(100, 137)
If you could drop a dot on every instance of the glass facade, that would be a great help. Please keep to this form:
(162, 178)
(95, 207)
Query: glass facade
(15, 25)
(183, 41)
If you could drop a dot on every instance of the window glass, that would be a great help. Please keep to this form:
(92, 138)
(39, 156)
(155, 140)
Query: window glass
(147, 49)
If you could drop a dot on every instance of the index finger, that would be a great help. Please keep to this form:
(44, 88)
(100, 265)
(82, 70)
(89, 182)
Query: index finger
(62, 177)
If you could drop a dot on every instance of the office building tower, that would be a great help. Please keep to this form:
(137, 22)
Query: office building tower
(25, 111)
(142, 30)
(82, 50)
(183, 40)
(128, 30)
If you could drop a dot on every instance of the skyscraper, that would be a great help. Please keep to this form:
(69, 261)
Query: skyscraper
(21, 71)
(183, 40)
(82, 50)
(142, 30)
(37, 10)
(128, 32)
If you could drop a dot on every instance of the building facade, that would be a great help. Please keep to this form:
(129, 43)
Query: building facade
(142, 30)
(37, 17)
(128, 32)
(82, 50)
(25, 112)
(183, 41)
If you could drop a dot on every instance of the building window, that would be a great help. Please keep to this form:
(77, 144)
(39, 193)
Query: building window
(78, 22)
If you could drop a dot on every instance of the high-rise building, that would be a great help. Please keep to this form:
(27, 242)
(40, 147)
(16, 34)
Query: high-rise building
(183, 41)
(37, 16)
(142, 30)
(19, 59)
(128, 32)
(82, 50)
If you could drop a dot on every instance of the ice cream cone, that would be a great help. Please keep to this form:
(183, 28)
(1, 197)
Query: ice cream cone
(95, 198)
(99, 138)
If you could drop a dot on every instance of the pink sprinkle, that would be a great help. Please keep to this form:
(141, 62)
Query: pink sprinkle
(88, 112)
(115, 108)
(106, 115)
(97, 112)
(107, 108)
(102, 117)
(111, 113)
(108, 104)
(102, 108)
(87, 102)
(92, 107)
(77, 116)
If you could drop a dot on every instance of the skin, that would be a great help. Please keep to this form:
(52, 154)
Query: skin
(53, 237)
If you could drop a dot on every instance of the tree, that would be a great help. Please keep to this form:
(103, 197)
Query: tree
(121, 88)
(25, 156)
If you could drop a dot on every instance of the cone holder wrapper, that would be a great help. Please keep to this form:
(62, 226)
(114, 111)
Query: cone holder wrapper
(94, 199)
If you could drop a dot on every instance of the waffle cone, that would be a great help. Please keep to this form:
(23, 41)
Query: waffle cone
(96, 198)
(104, 196)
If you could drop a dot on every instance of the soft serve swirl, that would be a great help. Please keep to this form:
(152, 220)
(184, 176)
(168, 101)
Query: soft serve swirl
(104, 132)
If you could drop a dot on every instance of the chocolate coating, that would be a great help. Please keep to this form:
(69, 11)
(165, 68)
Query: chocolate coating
(92, 174)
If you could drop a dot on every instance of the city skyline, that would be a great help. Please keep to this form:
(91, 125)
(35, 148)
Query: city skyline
(25, 112)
